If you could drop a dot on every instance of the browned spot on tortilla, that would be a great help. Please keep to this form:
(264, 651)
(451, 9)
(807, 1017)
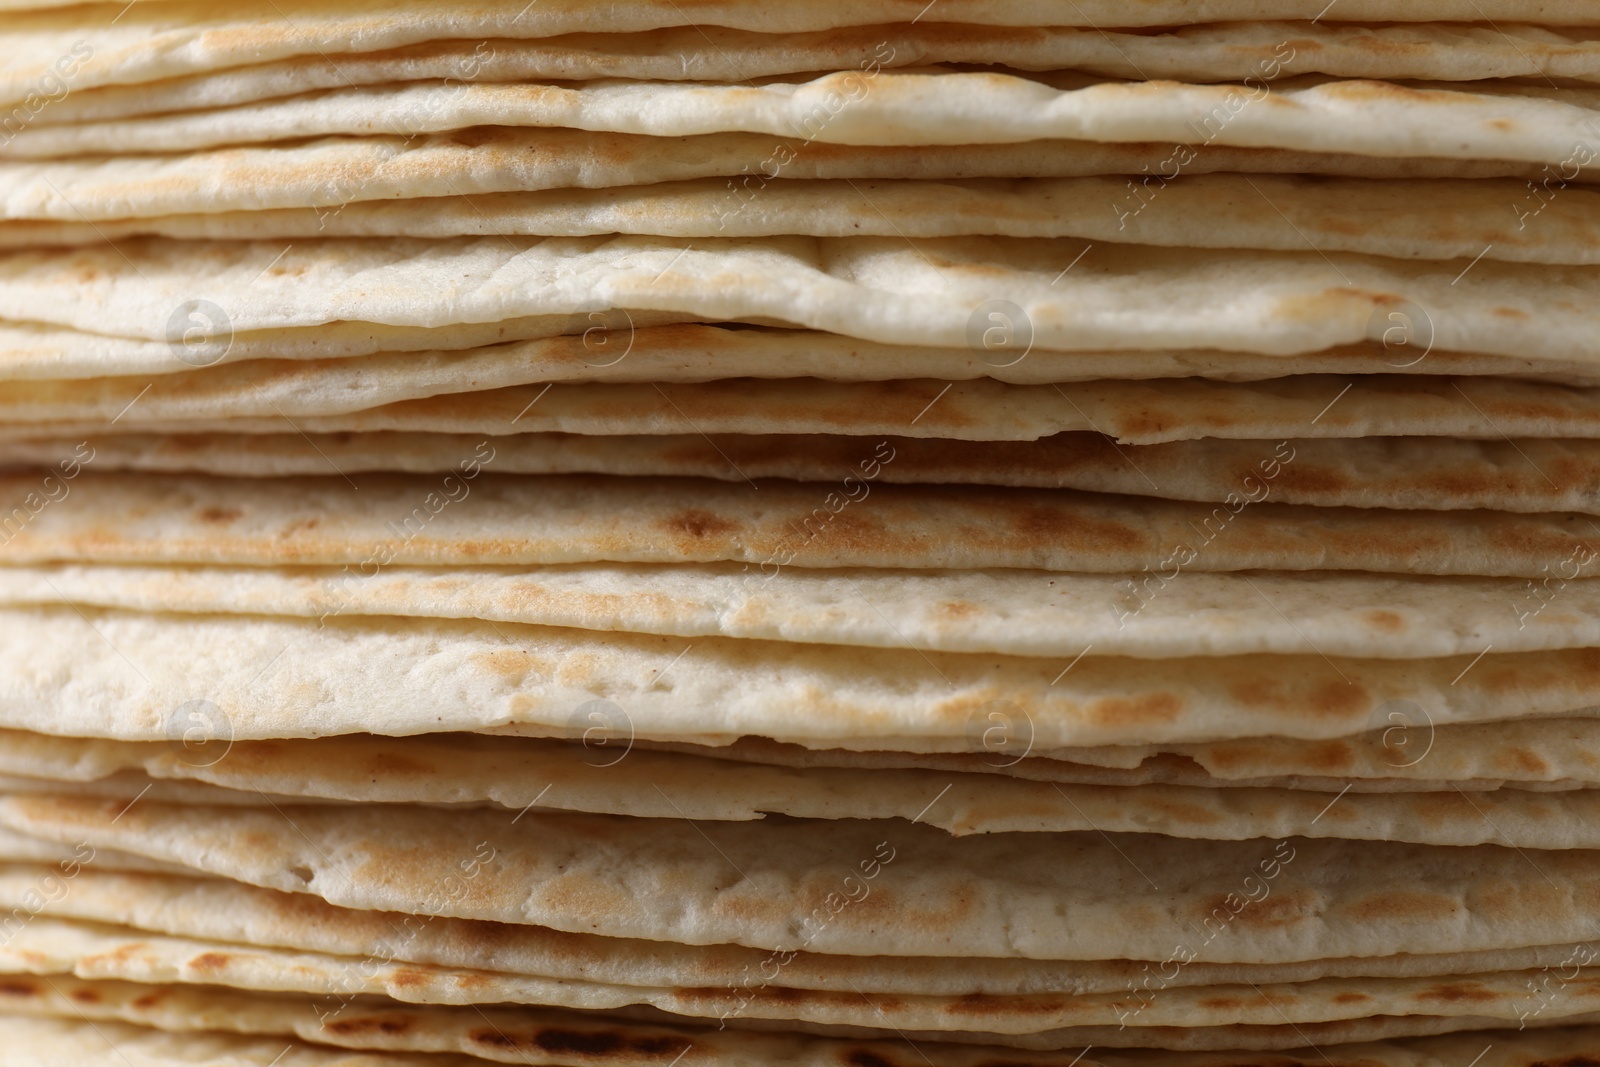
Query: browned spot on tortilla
(1148, 708)
(1525, 760)
(352, 1027)
(510, 664)
(1456, 993)
(603, 1042)
(1387, 621)
(698, 523)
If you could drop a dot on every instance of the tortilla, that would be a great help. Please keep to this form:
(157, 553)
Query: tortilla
(49, 946)
(873, 107)
(575, 872)
(1150, 412)
(387, 675)
(1397, 473)
(475, 517)
(319, 177)
(579, 778)
(710, 53)
(1119, 297)
(1014, 613)
(217, 909)
(560, 1039)
(171, 39)
(1438, 219)
(1403, 752)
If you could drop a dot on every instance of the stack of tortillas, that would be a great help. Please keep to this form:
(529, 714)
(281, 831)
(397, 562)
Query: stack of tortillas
(982, 533)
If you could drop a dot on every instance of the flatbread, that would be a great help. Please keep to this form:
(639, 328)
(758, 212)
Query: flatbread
(474, 516)
(217, 909)
(554, 1038)
(48, 946)
(73, 1040)
(1011, 892)
(871, 107)
(171, 39)
(1119, 297)
(71, 859)
(1397, 473)
(1437, 219)
(109, 378)
(710, 53)
(674, 785)
(612, 347)
(1537, 754)
(390, 676)
(1014, 613)
(1401, 753)
(328, 173)
(1150, 412)
(35, 351)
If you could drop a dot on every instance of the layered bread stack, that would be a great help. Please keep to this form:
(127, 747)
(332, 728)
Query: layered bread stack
(854, 535)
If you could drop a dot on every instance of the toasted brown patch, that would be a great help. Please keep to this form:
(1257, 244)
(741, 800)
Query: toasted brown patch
(353, 1027)
(603, 1042)
(1149, 708)
(1387, 621)
(1459, 992)
(699, 524)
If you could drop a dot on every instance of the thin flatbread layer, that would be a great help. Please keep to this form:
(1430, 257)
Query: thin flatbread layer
(474, 516)
(1400, 753)
(64, 1034)
(1396, 473)
(1041, 614)
(175, 38)
(669, 785)
(217, 909)
(613, 348)
(47, 946)
(1012, 891)
(1115, 298)
(872, 107)
(1437, 219)
(1383, 472)
(275, 677)
(1143, 413)
(336, 374)
(1229, 52)
(35, 351)
(1403, 752)
(75, 1039)
(985, 12)
(319, 178)
(70, 859)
